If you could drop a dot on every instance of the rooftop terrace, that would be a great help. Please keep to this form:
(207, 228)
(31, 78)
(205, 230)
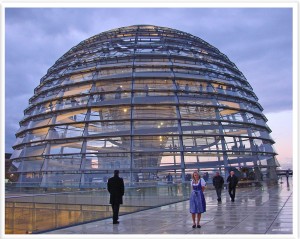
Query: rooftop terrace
(256, 210)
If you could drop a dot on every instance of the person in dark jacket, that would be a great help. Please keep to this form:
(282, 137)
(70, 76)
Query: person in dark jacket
(232, 181)
(218, 182)
(115, 187)
(287, 174)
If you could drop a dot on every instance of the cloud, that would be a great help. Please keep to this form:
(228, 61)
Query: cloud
(258, 41)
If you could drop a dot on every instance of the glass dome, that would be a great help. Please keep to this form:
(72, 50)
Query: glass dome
(146, 100)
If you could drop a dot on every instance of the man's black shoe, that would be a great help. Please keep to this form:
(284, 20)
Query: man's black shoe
(116, 222)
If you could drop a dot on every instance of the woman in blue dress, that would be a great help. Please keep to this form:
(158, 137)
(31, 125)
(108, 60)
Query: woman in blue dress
(197, 200)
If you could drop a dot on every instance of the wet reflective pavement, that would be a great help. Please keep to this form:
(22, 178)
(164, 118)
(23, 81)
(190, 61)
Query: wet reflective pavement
(256, 210)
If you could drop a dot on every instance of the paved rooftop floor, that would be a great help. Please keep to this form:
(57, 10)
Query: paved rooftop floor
(256, 210)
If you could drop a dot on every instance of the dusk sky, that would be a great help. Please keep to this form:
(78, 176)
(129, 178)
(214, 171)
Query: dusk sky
(257, 40)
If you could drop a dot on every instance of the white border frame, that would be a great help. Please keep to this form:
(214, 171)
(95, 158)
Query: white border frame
(294, 4)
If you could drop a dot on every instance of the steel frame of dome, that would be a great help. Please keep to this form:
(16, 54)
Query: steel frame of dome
(143, 99)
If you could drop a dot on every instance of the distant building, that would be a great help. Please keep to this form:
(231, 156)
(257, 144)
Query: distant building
(146, 100)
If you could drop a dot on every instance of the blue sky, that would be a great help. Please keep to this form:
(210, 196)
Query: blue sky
(257, 40)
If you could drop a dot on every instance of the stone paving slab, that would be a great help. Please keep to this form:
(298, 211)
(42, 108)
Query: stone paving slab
(256, 210)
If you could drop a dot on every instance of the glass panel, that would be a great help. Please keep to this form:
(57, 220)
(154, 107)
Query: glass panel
(152, 69)
(71, 116)
(154, 143)
(200, 160)
(116, 144)
(34, 150)
(186, 87)
(116, 127)
(30, 179)
(63, 163)
(72, 102)
(149, 85)
(149, 63)
(46, 107)
(93, 162)
(52, 94)
(160, 73)
(110, 98)
(95, 180)
(159, 97)
(40, 122)
(153, 59)
(81, 77)
(154, 112)
(235, 130)
(66, 131)
(108, 113)
(171, 160)
(250, 107)
(36, 135)
(107, 86)
(29, 112)
(195, 112)
(16, 153)
(229, 104)
(74, 90)
(50, 84)
(195, 101)
(107, 161)
(113, 71)
(231, 143)
(199, 143)
(62, 180)
(20, 139)
(155, 127)
(32, 164)
(261, 133)
(141, 160)
(65, 148)
(263, 146)
(238, 144)
(200, 127)
(233, 115)
(187, 61)
(23, 126)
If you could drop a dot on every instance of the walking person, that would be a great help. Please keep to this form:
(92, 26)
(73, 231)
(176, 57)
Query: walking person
(169, 178)
(197, 200)
(287, 174)
(232, 181)
(218, 182)
(115, 187)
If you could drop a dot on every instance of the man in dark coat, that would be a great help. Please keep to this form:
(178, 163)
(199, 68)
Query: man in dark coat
(232, 181)
(115, 187)
(218, 182)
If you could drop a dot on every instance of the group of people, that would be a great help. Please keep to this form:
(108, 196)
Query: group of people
(115, 187)
(232, 181)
